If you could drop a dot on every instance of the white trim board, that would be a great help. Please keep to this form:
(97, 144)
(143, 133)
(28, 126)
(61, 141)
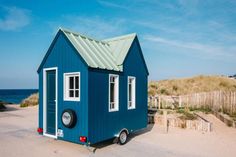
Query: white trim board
(45, 99)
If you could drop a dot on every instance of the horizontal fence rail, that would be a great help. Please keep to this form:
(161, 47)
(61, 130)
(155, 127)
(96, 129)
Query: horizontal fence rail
(216, 100)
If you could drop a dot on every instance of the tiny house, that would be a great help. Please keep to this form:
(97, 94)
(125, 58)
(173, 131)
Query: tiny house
(92, 90)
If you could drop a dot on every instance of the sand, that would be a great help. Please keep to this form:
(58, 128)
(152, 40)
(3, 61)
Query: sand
(18, 137)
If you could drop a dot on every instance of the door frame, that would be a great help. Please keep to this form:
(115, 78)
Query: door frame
(45, 102)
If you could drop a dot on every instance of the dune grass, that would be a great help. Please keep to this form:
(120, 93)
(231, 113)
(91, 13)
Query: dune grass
(192, 85)
(32, 100)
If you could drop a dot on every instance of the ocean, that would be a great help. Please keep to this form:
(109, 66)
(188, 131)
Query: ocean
(15, 96)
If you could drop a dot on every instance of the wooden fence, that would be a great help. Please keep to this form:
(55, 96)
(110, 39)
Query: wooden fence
(217, 100)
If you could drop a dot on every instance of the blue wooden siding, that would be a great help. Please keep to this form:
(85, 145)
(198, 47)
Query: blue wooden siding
(104, 124)
(134, 65)
(66, 59)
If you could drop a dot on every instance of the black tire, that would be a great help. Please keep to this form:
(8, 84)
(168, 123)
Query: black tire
(73, 118)
(123, 137)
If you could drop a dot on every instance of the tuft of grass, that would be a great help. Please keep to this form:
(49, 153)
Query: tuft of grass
(223, 84)
(164, 91)
(151, 92)
(186, 115)
(32, 100)
(229, 124)
(183, 125)
(160, 112)
(233, 116)
(181, 111)
(24, 105)
(205, 109)
(175, 88)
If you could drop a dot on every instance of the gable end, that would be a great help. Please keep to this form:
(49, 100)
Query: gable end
(140, 52)
(51, 47)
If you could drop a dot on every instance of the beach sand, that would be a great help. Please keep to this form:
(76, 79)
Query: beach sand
(19, 138)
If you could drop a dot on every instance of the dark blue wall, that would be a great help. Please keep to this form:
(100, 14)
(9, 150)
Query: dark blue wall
(134, 65)
(66, 59)
(104, 124)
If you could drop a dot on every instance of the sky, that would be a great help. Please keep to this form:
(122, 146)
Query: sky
(179, 38)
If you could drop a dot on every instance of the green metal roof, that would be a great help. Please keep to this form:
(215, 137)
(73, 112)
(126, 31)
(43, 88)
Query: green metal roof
(120, 46)
(103, 54)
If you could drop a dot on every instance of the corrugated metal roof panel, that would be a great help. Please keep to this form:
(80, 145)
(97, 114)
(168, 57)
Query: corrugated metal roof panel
(107, 54)
(120, 46)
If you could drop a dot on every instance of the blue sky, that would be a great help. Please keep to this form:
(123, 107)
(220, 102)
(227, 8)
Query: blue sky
(179, 38)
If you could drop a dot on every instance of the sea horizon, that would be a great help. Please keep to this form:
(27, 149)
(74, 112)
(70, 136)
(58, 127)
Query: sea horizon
(18, 88)
(15, 96)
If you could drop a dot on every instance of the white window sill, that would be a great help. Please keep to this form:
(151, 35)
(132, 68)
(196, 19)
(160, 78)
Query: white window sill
(131, 108)
(113, 110)
(69, 99)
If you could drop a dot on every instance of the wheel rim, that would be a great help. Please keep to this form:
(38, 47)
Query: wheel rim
(123, 137)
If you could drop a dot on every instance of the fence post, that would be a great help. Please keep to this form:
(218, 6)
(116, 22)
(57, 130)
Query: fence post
(155, 101)
(231, 103)
(180, 101)
(165, 121)
(234, 101)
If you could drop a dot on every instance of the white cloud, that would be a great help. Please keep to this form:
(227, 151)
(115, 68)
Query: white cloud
(210, 51)
(157, 26)
(112, 4)
(14, 19)
(212, 31)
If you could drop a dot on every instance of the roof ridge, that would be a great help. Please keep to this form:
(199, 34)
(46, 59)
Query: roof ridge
(131, 35)
(79, 34)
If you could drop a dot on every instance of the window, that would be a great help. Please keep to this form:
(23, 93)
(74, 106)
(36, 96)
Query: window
(113, 93)
(131, 92)
(72, 86)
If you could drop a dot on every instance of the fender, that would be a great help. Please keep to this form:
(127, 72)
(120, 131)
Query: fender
(124, 129)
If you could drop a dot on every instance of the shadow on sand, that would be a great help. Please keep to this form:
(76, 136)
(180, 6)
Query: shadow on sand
(8, 107)
(103, 144)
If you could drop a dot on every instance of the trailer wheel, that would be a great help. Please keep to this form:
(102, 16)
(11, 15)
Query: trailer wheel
(123, 137)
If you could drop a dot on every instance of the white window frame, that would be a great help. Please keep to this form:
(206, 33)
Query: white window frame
(133, 90)
(66, 86)
(116, 97)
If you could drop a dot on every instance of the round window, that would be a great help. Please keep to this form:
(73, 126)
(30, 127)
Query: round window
(68, 118)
